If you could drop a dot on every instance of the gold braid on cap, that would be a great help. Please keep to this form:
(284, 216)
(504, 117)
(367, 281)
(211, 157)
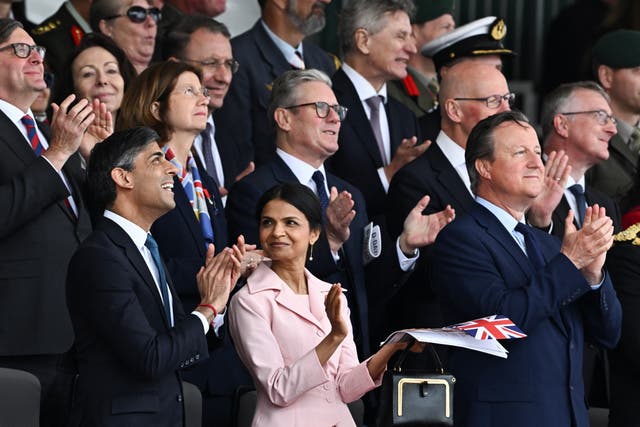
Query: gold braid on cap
(630, 234)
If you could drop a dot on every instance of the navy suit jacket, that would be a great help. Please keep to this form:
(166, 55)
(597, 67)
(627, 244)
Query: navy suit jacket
(183, 249)
(242, 119)
(38, 236)
(480, 270)
(358, 158)
(416, 304)
(350, 271)
(128, 355)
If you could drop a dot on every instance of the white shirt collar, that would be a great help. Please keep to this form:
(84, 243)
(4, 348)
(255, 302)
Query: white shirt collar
(507, 221)
(134, 231)
(364, 89)
(12, 112)
(302, 170)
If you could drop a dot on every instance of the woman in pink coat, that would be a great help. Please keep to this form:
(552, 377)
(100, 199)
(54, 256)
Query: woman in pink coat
(291, 329)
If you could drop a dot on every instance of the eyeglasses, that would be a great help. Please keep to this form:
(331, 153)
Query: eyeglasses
(193, 92)
(601, 116)
(23, 50)
(322, 109)
(493, 101)
(138, 14)
(230, 64)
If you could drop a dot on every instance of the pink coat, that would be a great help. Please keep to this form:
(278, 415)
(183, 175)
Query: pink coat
(275, 336)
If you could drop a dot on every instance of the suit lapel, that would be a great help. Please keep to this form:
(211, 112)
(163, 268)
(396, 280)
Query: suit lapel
(356, 118)
(270, 53)
(449, 179)
(122, 239)
(496, 230)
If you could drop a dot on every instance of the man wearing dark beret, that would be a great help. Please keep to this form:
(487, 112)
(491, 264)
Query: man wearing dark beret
(616, 57)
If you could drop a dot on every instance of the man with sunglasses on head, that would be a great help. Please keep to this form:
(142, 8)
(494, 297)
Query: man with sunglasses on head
(131, 25)
(43, 219)
(272, 46)
(469, 92)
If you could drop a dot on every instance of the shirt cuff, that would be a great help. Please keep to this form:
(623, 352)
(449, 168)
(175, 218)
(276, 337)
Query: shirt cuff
(596, 287)
(406, 263)
(383, 179)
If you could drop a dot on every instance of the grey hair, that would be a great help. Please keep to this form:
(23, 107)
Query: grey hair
(369, 15)
(284, 92)
(557, 100)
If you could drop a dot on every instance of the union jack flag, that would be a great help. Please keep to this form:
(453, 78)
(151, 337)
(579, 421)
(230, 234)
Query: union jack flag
(497, 327)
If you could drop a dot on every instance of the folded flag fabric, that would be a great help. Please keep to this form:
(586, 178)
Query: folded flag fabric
(497, 327)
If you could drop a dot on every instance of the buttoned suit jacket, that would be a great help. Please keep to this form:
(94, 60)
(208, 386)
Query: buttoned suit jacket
(243, 119)
(480, 270)
(358, 158)
(38, 235)
(276, 337)
(615, 176)
(128, 354)
(350, 271)
(183, 249)
(416, 304)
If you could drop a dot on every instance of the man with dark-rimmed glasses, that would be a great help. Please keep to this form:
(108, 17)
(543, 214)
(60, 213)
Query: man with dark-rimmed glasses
(43, 219)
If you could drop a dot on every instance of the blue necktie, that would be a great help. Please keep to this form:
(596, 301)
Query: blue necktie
(581, 202)
(152, 245)
(207, 152)
(533, 248)
(318, 178)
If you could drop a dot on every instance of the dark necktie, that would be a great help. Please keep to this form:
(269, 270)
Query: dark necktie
(318, 178)
(152, 245)
(374, 104)
(32, 135)
(297, 62)
(207, 152)
(533, 248)
(634, 140)
(581, 202)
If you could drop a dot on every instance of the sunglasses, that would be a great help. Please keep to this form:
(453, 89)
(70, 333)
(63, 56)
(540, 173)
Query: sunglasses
(138, 14)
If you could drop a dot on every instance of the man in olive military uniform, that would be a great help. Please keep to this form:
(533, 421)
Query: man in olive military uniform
(616, 56)
(61, 32)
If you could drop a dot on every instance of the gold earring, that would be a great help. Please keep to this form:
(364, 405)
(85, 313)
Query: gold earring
(310, 251)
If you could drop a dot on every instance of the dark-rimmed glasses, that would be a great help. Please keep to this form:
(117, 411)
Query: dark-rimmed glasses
(138, 14)
(23, 50)
(493, 101)
(322, 109)
(602, 117)
(230, 64)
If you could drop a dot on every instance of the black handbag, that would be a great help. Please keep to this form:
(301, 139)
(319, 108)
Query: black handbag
(416, 397)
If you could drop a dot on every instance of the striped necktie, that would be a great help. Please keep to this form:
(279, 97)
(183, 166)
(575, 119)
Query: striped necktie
(32, 135)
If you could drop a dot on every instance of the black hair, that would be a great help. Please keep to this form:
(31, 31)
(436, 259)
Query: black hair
(297, 195)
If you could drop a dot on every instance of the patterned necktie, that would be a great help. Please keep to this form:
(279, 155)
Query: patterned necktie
(152, 245)
(581, 202)
(533, 249)
(207, 152)
(374, 104)
(30, 125)
(297, 62)
(318, 178)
